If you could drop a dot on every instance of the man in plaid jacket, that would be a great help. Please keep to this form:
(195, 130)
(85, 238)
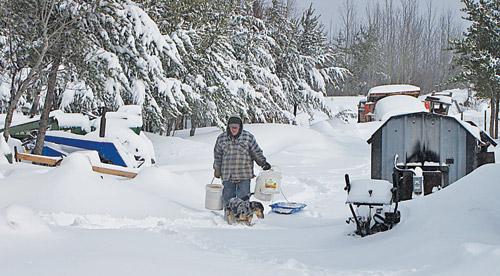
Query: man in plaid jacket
(234, 153)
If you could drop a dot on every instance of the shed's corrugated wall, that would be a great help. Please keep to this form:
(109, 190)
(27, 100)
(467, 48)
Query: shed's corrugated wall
(421, 136)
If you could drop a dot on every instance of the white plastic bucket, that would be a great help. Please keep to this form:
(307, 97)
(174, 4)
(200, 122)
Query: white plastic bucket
(268, 183)
(213, 197)
(263, 197)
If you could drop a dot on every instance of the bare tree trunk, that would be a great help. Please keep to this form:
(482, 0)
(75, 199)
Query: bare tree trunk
(193, 127)
(14, 99)
(258, 8)
(10, 106)
(46, 8)
(496, 115)
(179, 123)
(49, 100)
(8, 121)
(35, 104)
(169, 126)
(492, 116)
(349, 21)
(22, 87)
(290, 8)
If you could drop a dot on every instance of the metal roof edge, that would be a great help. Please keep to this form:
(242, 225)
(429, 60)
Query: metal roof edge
(482, 133)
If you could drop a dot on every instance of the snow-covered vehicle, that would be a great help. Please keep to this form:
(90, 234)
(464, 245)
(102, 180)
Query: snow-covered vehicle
(440, 102)
(366, 107)
(397, 105)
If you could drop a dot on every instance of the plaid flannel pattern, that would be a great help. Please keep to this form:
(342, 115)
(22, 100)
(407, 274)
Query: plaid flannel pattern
(234, 157)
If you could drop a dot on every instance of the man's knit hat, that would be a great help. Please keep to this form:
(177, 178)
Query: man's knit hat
(234, 120)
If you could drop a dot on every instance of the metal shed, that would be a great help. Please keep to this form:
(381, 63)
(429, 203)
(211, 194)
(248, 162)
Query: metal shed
(445, 148)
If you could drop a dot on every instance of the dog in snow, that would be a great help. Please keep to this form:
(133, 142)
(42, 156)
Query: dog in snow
(242, 210)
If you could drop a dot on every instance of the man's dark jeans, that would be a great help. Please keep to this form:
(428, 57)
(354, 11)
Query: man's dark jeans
(235, 189)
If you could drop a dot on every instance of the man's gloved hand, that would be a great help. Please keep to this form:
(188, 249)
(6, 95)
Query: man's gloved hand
(266, 166)
(217, 173)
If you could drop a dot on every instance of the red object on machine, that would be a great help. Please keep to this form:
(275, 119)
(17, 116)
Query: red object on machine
(427, 105)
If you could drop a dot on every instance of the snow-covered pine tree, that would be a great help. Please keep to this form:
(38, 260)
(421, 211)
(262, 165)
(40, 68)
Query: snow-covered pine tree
(132, 62)
(261, 90)
(305, 63)
(199, 30)
(318, 61)
(478, 53)
(285, 52)
(233, 65)
(364, 60)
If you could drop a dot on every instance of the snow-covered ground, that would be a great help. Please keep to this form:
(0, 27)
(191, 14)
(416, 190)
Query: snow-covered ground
(72, 221)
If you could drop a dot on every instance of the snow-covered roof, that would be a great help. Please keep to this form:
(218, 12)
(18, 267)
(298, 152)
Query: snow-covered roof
(370, 191)
(68, 120)
(397, 105)
(393, 88)
(17, 119)
(473, 130)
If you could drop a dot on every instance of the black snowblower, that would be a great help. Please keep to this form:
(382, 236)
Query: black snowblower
(373, 204)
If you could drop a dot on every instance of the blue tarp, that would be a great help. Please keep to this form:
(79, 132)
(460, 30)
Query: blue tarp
(49, 151)
(107, 150)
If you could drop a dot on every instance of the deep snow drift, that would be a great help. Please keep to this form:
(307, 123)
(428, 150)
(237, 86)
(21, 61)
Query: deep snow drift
(72, 221)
